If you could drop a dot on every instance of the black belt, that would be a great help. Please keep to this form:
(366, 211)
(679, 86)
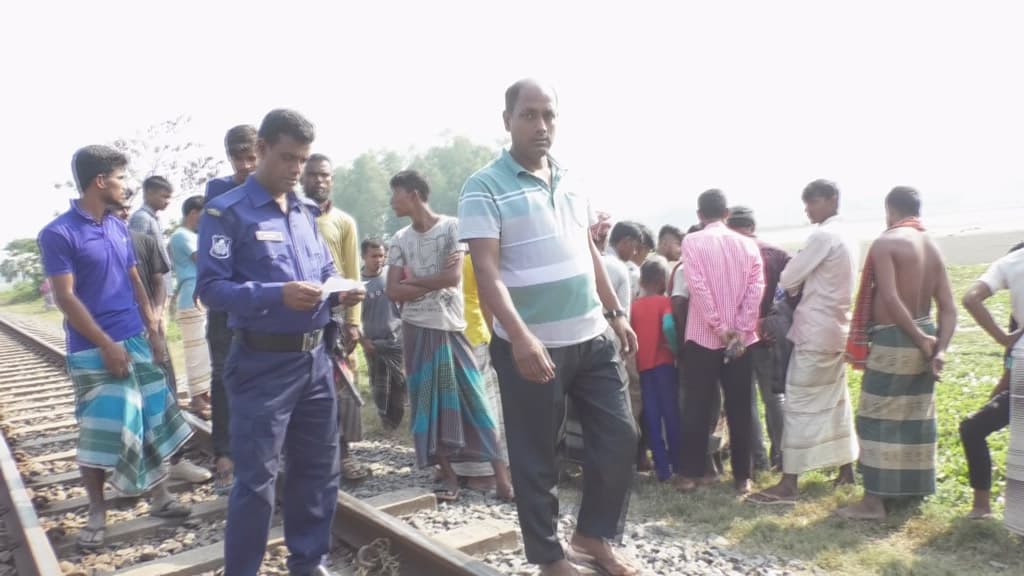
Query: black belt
(275, 342)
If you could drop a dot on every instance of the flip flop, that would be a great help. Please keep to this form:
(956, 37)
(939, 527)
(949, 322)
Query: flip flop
(766, 499)
(171, 509)
(446, 494)
(91, 538)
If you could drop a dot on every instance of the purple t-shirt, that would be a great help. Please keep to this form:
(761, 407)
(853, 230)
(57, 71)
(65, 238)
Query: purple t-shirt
(217, 186)
(100, 256)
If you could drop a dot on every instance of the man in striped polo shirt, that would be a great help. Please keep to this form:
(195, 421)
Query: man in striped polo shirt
(542, 278)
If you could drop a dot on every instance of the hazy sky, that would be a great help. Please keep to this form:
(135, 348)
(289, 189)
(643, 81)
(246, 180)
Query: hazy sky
(657, 103)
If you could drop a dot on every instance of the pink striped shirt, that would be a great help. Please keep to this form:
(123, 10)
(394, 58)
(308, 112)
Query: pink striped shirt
(723, 272)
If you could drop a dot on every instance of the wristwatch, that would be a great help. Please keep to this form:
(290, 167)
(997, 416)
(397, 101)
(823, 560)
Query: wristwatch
(613, 314)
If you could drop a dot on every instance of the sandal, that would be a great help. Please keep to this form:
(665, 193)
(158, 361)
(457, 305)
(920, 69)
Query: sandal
(91, 538)
(769, 499)
(170, 509)
(446, 494)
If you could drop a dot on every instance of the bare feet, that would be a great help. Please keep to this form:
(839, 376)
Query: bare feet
(785, 492)
(598, 554)
(560, 568)
(870, 508)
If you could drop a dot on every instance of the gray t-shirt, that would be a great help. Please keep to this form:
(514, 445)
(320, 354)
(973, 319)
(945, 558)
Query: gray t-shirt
(425, 254)
(619, 277)
(382, 318)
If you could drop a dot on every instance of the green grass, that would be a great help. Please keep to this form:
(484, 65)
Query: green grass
(929, 540)
(932, 539)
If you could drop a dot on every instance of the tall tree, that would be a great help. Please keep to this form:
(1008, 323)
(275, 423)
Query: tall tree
(22, 261)
(362, 190)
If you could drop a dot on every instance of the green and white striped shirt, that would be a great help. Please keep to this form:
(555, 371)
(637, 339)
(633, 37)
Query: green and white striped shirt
(545, 248)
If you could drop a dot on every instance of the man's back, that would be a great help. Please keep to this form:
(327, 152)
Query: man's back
(918, 269)
(724, 275)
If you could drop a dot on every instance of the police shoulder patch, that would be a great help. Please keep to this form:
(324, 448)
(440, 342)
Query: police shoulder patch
(221, 247)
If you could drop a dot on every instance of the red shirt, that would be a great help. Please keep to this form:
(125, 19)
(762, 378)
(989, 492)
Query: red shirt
(646, 316)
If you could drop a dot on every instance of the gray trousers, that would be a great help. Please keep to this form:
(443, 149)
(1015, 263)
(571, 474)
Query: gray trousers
(592, 375)
(765, 375)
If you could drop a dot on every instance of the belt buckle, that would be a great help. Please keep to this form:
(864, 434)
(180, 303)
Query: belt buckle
(309, 341)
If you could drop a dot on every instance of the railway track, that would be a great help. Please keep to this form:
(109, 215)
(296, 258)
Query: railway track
(43, 505)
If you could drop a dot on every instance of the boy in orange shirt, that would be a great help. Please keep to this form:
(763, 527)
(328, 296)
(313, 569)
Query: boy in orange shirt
(651, 318)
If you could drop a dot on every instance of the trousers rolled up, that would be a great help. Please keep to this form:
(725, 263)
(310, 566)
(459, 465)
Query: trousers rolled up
(704, 369)
(591, 374)
(218, 338)
(281, 403)
(974, 432)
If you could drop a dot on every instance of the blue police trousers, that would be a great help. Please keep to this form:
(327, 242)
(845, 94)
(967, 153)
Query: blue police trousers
(281, 402)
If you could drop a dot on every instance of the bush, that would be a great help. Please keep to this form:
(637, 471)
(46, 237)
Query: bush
(25, 291)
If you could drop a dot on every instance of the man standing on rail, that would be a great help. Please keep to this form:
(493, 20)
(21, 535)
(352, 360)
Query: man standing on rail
(262, 260)
(542, 278)
(129, 422)
(240, 145)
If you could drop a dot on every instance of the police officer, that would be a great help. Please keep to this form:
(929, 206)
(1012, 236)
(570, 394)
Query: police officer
(262, 261)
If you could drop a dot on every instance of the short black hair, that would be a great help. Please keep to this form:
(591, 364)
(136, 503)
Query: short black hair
(821, 188)
(411, 180)
(905, 200)
(646, 237)
(192, 203)
(240, 140)
(318, 157)
(623, 231)
(512, 92)
(156, 184)
(91, 161)
(653, 270)
(712, 204)
(284, 122)
(695, 228)
(371, 243)
(669, 230)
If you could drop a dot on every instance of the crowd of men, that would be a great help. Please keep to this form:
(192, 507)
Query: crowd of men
(488, 327)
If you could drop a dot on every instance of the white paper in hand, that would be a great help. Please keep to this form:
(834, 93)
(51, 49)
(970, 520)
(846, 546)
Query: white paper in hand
(338, 284)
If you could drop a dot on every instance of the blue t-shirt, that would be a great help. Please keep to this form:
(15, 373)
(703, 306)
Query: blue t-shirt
(99, 255)
(183, 245)
(217, 186)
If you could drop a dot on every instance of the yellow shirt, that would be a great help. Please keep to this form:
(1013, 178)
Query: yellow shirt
(339, 232)
(476, 327)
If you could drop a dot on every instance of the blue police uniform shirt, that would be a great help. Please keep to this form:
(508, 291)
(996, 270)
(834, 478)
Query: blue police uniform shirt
(217, 186)
(100, 256)
(249, 249)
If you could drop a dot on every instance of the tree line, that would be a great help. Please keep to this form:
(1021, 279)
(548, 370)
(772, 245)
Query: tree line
(360, 187)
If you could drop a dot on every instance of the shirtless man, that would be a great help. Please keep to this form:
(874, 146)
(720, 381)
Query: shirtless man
(902, 276)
